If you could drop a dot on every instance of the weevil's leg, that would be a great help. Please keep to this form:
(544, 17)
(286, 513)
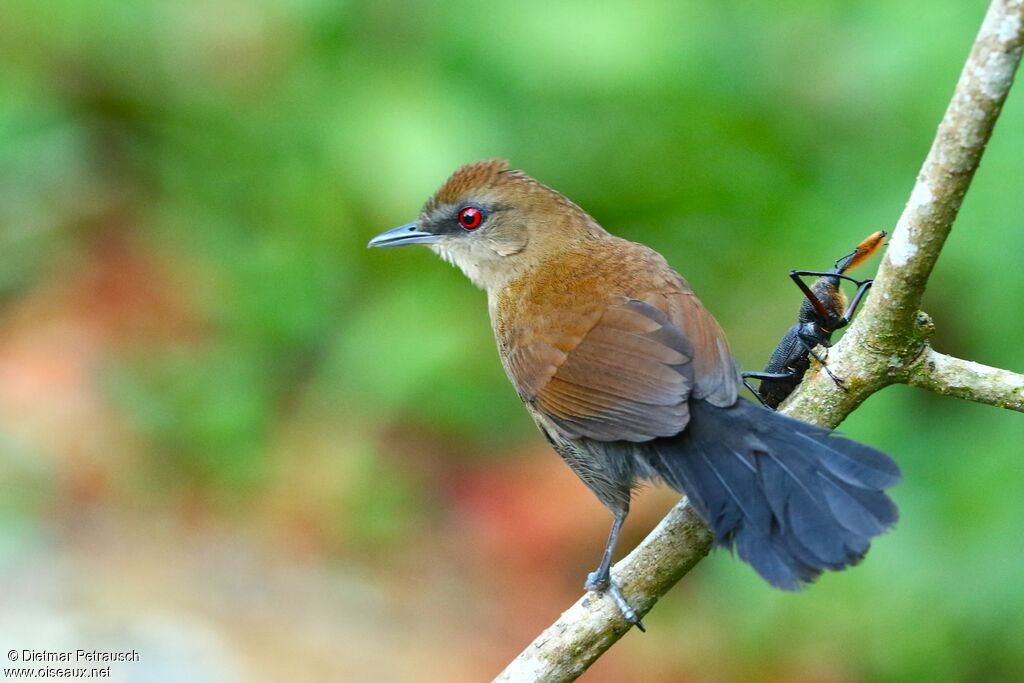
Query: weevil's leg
(862, 289)
(770, 375)
(754, 391)
(819, 307)
(762, 376)
(813, 354)
(824, 273)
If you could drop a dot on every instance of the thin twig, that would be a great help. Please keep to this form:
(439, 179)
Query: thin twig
(968, 380)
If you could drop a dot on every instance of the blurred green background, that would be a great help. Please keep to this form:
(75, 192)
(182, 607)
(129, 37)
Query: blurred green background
(236, 440)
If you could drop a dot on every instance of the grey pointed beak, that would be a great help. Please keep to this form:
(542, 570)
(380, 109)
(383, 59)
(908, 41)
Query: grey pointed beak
(403, 234)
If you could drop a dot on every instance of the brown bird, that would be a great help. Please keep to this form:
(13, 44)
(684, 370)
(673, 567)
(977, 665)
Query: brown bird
(630, 378)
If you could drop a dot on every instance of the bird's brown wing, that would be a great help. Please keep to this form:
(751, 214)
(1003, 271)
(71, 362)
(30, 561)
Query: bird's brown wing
(622, 372)
(717, 379)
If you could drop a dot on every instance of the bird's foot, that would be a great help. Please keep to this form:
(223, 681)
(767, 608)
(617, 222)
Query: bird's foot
(605, 584)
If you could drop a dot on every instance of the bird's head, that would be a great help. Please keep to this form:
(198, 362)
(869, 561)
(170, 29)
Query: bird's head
(494, 223)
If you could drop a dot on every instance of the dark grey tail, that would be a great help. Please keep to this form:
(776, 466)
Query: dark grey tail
(792, 499)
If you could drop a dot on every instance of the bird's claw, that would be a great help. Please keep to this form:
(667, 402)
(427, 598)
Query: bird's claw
(605, 584)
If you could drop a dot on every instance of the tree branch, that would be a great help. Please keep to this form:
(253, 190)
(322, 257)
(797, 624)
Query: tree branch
(890, 335)
(886, 344)
(968, 380)
(947, 171)
(593, 624)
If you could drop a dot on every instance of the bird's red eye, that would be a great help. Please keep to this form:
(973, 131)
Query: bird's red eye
(470, 218)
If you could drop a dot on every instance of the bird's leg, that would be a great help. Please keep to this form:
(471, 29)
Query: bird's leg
(600, 579)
